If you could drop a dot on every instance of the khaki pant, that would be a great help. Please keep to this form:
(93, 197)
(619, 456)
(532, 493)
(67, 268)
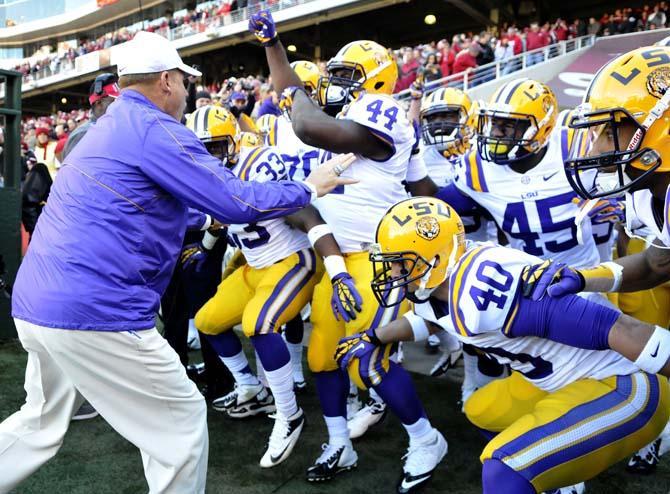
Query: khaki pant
(133, 379)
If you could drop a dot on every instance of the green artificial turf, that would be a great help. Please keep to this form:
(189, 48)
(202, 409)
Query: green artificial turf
(94, 459)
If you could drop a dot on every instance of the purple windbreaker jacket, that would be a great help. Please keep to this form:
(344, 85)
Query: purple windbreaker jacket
(108, 239)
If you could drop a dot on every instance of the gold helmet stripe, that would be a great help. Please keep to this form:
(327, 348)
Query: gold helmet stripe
(505, 95)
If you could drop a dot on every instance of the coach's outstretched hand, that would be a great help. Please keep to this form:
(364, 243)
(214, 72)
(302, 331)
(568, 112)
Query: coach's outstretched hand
(326, 177)
(262, 25)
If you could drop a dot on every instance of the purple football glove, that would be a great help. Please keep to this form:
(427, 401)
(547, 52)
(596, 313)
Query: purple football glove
(262, 25)
(346, 300)
(606, 211)
(552, 278)
(357, 345)
(193, 258)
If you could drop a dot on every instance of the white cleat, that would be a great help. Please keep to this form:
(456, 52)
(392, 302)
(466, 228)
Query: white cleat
(446, 361)
(285, 434)
(353, 405)
(245, 401)
(371, 414)
(571, 489)
(333, 460)
(420, 462)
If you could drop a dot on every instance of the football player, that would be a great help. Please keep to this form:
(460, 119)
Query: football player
(515, 175)
(301, 158)
(573, 406)
(621, 147)
(447, 122)
(269, 290)
(373, 125)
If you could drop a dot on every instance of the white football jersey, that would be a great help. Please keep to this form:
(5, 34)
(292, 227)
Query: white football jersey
(300, 158)
(640, 211)
(353, 211)
(442, 170)
(535, 210)
(482, 307)
(265, 242)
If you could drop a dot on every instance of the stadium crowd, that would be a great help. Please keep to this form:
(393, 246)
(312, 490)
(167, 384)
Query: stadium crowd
(439, 58)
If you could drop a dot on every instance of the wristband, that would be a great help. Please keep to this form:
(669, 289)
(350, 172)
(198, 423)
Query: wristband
(656, 352)
(419, 326)
(318, 231)
(334, 265)
(208, 241)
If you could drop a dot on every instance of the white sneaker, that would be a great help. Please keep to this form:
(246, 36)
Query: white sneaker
(245, 401)
(353, 405)
(193, 338)
(333, 460)
(420, 462)
(446, 361)
(283, 437)
(372, 413)
(571, 489)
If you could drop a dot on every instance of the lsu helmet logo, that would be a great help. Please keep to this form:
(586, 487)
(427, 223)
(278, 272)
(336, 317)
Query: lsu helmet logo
(658, 82)
(428, 228)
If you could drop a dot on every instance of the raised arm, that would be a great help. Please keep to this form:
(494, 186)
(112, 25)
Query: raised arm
(310, 123)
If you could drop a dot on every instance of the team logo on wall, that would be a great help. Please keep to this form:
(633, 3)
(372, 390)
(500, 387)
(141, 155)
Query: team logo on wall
(428, 228)
(658, 82)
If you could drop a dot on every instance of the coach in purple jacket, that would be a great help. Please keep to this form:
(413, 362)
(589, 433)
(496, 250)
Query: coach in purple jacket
(102, 254)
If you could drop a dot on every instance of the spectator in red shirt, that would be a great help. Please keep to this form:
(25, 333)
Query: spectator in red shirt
(535, 39)
(515, 40)
(466, 60)
(408, 70)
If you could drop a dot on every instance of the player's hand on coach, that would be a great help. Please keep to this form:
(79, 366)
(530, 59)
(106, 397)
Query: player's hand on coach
(326, 177)
(552, 278)
(262, 25)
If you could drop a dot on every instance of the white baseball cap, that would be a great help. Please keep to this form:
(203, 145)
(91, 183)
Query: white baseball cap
(148, 53)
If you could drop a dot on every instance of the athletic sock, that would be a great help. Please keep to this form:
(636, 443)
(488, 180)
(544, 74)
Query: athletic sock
(275, 359)
(419, 431)
(338, 432)
(295, 349)
(397, 390)
(498, 477)
(260, 371)
(229, 348)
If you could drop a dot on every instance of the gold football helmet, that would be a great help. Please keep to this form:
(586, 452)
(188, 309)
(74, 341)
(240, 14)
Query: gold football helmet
(447, 121)
(249, 140)
(265, 124)
(418, 241)
(622, 127)
(309, 74)
(217, 128)
(358, 66)
(517, 121)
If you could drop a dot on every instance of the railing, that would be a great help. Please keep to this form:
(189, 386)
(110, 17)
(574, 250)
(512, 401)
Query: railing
(63, 65)
(495, 70)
